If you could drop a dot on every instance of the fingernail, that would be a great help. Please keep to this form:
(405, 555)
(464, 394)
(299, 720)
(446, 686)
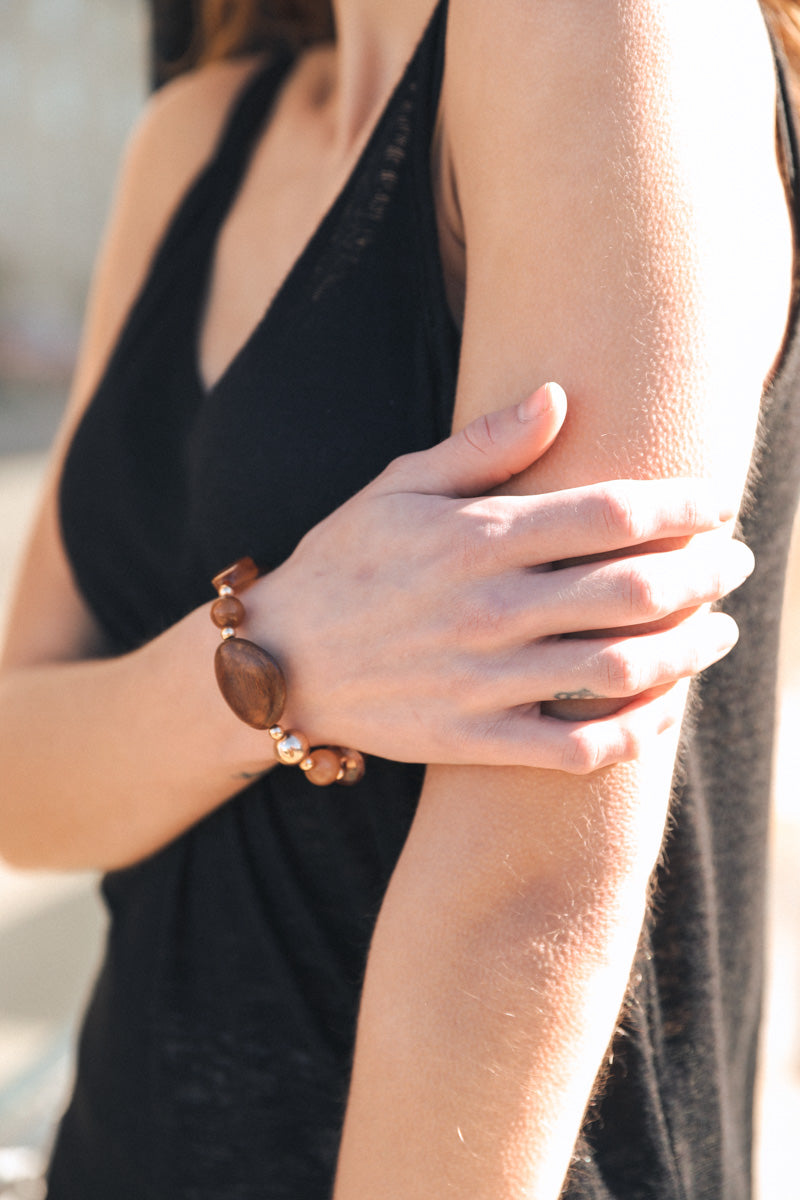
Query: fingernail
(532, 407)
(742, 562)
(557, 397)
(727, 512)
(749, 560)
(543, 400)
(728, 639)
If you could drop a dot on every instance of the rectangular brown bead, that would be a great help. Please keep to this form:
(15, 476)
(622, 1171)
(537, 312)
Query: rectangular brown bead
(238, 576)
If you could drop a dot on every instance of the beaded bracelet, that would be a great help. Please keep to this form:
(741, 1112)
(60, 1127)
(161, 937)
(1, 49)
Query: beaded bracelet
(252, 684)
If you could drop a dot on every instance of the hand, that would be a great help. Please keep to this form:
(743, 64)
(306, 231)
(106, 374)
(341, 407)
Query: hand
(421, 621)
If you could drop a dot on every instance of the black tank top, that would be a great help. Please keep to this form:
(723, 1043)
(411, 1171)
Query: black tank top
(214, 1059)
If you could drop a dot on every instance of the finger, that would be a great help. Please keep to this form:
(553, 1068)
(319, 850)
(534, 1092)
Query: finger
(524, 737)
(603, 518)
(616, 594)
(488, 451)
(585, 747)
(607, 668)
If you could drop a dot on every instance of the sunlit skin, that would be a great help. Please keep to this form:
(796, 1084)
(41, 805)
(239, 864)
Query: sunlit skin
(473, 1079)
(503, 947)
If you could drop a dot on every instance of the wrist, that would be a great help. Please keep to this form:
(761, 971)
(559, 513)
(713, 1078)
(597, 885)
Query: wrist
(252, 682)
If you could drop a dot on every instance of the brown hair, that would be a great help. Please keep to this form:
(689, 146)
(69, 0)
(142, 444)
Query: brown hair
(783, 18)
(227, 28)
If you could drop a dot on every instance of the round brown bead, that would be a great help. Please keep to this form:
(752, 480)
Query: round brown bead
(251, 682)
(353, 767)
(326, 764)
(227, 612)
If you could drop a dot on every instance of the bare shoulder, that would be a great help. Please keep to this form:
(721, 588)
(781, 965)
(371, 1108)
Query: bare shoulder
(605, 37)
(169, 146)
(662, 75)
(172, 141)
(178, 130)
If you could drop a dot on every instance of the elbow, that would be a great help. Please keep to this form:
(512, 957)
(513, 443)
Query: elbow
(18, 853)
(24, 849)
(576, 913)
(558, 870)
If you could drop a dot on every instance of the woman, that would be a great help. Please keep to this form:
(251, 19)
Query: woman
(588, 161)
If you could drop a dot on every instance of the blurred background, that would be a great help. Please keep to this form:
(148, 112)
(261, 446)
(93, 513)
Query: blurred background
(73, 75)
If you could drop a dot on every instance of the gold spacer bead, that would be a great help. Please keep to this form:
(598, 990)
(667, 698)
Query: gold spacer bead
(276, 732)
(292, 749)
(227, 632)
(307, 763)
(225, 590)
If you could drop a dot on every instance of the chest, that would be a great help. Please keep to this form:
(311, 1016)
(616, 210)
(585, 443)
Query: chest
(350, 361)
(291, 182)
(296, 175)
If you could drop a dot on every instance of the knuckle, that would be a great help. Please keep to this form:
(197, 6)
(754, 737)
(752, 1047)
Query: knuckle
(630, 746)
(690, 512)
(623, 676)
(639, 594)
(482, 525)
(581, 753)
(588, 752)
(478, 435)
(615, 514)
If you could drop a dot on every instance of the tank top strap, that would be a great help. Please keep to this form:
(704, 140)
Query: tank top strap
(209, 197)
(244, 123)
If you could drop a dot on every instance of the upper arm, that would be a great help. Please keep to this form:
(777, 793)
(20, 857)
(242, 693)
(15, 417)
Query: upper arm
(625, 226)
(627, 235)
(49, 620)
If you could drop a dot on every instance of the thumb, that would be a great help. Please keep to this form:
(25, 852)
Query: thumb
(492, 448)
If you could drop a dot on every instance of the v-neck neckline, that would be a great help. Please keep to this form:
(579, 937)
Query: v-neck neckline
(315, 239)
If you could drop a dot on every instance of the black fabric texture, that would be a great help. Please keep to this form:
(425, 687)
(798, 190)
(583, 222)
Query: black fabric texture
(215, 1055)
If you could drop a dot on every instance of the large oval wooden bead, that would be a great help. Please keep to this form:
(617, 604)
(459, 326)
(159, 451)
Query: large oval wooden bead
(251, 682)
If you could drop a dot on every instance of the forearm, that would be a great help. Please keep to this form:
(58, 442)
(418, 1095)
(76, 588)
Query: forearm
(104, 761)
(495, 978)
